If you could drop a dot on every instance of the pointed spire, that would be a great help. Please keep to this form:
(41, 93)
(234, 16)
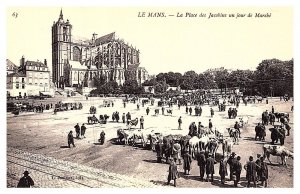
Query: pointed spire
(61, 16)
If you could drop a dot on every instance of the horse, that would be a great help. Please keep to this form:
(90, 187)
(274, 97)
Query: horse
(227, 146)
(233, 133)
(92, 119)
(193, 144)
(277, 150)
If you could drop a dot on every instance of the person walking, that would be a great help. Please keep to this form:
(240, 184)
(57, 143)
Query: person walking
(173, 173)
(26, 181)
(147, 110)
(236, 171)
(210, 168)
(250, 168)
(223, 169)
(273, 111)
(77, 130)
(179, 123)
(142, 122)
(71, 139)
(83, 129)
(201, 163)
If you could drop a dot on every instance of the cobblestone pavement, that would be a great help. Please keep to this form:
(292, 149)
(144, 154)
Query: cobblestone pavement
(48, 172)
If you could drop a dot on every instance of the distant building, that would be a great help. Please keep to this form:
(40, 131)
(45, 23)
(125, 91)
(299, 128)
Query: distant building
(10, 67)
(16, 85)
(31, 78)
(76, 61)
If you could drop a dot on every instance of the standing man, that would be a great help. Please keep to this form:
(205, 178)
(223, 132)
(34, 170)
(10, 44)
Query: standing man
(142, 122)
(163, 110)
(123, 117)
(190, 110)
(83, 129)
(231, 160)
(210, 125)
(264, 172)
(179, 123)
(237, 127)
(273, 109)
(200, 131)
(71, 139)
(187, 161)
(200, 111)
(212, 112)
(223, 170)
(102, 137)
(237, 169)
(147, 110)
(186, 109)
(77, 130)
(250, 167)
(159, 151)
(173, 173)
(26, 181)
(210, 168)
(201, 163)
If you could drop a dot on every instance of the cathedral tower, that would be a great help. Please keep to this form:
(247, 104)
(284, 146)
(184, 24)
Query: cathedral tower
(61, 49)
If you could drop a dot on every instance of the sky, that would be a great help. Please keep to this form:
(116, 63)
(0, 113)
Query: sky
(171, 43)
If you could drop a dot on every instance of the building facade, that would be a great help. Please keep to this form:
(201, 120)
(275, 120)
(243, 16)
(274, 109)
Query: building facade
(16, 85)
(31, 78)
(76, 61)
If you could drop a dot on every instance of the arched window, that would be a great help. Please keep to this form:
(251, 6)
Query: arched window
(76, 54)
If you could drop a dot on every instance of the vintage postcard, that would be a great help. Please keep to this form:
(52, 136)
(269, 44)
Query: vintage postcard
(150, 97)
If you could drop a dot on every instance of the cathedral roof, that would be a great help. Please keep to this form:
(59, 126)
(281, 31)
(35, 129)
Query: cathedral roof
(10, 65)
(105, 38)
(77, 65)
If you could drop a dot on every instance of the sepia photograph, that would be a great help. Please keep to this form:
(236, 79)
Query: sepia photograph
(149, 96)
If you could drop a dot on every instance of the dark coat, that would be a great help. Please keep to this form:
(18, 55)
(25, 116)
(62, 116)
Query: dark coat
(187, 160)
(70, 137)
(250, 167)
(210, 166)
(264, 171)
(25, 182)
(201, 160)
(173, 173)
(223, 168)
(77, 128)
(83, 128)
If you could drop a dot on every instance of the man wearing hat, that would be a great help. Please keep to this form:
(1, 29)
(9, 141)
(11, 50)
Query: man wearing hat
(250, 167)
(231, 160)
(258, 169)
(210, 168)
(187, 160)
(173, 173)
(201, 163)
(26, 181)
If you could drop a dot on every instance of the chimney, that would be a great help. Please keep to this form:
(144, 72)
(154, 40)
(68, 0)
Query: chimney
(22, 61)
(45, 62)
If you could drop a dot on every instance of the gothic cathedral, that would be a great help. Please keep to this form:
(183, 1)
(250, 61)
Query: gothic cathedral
(76, 61)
